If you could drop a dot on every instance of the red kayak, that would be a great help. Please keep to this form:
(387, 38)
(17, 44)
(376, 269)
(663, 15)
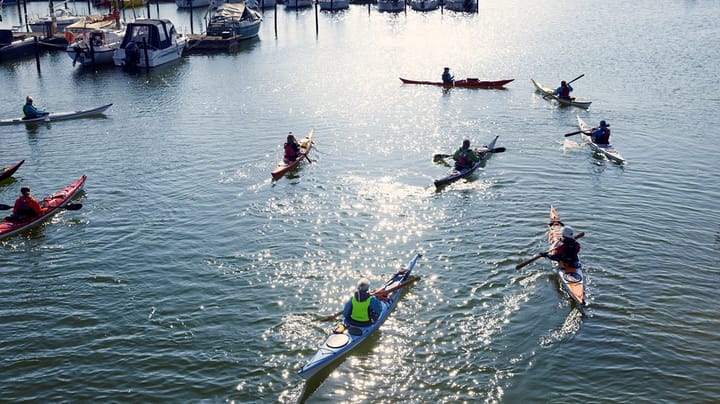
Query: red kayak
(7, 172)
(284, 166)
(54, 202)
(464, 83)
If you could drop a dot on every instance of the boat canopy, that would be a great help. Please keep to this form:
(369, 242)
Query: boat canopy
(157, 33)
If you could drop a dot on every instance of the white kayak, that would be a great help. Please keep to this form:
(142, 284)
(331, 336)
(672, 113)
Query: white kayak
(56, 116)
(606, 150)
(548, 94)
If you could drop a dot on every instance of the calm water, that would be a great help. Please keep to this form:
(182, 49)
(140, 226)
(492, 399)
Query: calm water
(189, 276)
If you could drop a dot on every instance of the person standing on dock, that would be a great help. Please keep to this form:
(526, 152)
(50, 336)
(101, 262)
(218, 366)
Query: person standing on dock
(31, 111)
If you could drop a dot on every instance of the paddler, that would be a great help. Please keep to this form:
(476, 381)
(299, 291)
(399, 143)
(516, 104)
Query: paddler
(563, 91)
(601, 135)
(26, 207)
(30, 111)
(465, 157)
(447, 78)
(566, 253)
(363, 308)
(292, 148)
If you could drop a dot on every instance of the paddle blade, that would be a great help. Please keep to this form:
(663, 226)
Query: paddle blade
(497, 150)
(73, 206)
(441, 156)
(5, 207)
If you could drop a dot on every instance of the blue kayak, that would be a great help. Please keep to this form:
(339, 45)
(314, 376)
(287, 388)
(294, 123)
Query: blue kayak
(343, 338)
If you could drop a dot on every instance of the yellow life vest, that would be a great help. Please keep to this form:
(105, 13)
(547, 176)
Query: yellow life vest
(360, 310)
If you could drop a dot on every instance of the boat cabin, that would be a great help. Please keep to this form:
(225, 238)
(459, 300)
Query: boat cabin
(153, 33)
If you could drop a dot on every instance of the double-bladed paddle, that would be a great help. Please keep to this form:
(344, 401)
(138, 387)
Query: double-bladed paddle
(444, 156)
(540, 255)
(71, 206)
(576, 78)
(378, 293)
(587, 132)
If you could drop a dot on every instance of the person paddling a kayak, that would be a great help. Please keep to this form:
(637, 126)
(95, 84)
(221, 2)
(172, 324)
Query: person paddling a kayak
(447, 78)
(464, 156)
(292, 148)
(563, 91)
(31, 111)
(601, 135)
(566, 253)
(363, 308)
(26, 207)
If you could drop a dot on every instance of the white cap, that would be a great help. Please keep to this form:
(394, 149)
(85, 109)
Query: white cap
(567, 232)
(363, 285)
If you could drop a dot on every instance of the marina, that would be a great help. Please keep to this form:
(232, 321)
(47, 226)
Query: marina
(190, 274)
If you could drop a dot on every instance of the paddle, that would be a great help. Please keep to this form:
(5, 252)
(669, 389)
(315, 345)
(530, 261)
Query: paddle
(72, 206)
(444, 156)
(579, 131)
(377, 293)
(576, 78)
(538, 256)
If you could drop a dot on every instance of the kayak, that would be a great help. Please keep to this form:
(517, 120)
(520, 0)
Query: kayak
(57, 116)
(548, 93)
(344, 338)
(284, 166)
(54, 202)
(454, 174)
(573, 282)
(464, 83)
(7, 172)
(606, 150)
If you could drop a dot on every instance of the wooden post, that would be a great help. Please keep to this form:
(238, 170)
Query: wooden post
(191, 17)
(317, 27)
(275, 19)
(37, 53)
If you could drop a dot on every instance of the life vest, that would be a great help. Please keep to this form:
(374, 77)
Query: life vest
(291, 151)
(568, 252)
(603, 137)
(360, 309)
(22, 207)
(564, 92)
(464, 159)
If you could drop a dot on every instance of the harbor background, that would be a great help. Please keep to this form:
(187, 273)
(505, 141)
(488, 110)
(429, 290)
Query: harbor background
(188, 275)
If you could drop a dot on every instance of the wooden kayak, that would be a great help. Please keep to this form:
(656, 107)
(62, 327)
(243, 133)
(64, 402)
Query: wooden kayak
(573, 282)
(464, 83)
(548, 94)
(7, 172)
(57, 116)
(284, 166)
(454, 174)
(608, 151)
(54, 202)
(343, 338)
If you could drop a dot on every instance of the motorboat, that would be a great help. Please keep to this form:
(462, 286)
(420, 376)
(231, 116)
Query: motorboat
(149, 43)
(234, 20)
(15, 46)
